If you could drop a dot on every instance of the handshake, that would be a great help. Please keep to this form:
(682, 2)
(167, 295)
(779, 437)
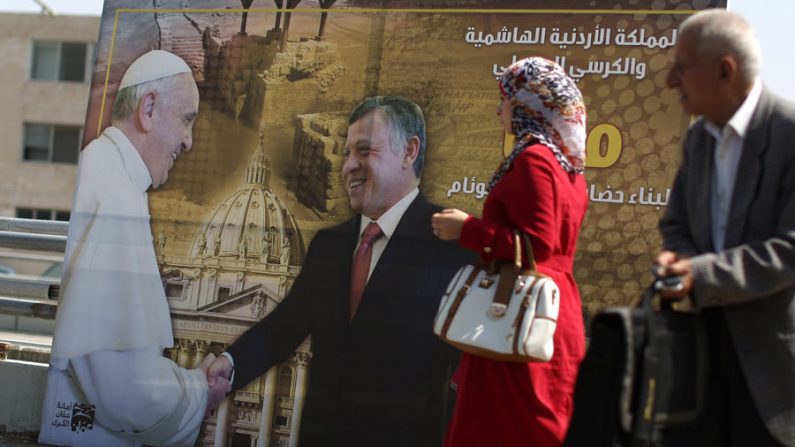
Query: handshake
(219, 372)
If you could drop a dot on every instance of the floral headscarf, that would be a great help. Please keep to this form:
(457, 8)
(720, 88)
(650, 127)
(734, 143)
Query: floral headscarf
(547, 107)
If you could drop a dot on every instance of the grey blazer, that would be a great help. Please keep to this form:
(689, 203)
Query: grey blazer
(753, 278)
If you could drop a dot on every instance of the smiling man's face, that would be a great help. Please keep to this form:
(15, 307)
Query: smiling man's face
(376, 174)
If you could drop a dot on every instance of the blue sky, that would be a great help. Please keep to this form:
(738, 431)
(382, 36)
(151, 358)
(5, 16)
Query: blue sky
(770, 23)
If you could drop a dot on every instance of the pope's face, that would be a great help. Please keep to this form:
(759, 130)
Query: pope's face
(172, 131)
(376, 174)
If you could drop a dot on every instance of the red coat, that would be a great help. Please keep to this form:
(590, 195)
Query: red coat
(518, 404)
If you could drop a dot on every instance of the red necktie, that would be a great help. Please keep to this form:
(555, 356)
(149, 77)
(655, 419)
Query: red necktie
(361, 264)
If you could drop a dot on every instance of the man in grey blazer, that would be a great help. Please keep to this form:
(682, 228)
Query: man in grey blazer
(729, 233)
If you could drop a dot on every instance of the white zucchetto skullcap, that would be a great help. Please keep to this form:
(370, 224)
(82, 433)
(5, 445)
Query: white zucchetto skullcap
(153, 65)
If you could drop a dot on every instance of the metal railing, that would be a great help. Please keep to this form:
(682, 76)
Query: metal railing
(27, 308)
(34, 235)
(24, 287)
(23, 295)
(51, 227)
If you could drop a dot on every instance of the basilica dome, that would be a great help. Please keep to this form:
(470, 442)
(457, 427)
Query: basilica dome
(252, 223)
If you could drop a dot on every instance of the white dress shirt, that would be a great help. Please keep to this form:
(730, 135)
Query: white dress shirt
(728, 149)
(388, 223)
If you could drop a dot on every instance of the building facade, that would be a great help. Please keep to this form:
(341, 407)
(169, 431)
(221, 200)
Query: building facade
(44, 85)
(243, 259)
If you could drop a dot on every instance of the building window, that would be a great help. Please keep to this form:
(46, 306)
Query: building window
(48, 143)
(174, 290)
(223, 294)
(42, 214)
(281, 421)
(60, 61)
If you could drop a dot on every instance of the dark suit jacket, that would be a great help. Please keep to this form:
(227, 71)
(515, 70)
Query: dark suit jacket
(752, 280)
(381, 379)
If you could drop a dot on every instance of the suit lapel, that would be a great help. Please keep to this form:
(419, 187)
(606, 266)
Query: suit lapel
(410, 225)
(748, 172)
(703, 151)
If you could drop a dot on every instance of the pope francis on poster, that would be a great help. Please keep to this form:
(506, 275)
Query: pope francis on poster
(109, 383)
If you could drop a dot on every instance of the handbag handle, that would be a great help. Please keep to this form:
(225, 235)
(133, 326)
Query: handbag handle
(510, 272)
(528, 249)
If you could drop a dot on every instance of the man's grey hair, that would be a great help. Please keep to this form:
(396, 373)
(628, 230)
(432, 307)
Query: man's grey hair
(405, 120)
(719, 32)
(128, 97)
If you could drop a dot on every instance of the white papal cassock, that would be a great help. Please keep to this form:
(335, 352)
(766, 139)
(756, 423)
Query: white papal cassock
(113, 319)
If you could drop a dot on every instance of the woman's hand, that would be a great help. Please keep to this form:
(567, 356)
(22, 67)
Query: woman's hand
(447, 224)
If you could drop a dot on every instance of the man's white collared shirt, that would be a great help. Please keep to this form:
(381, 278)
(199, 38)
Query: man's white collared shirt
(728, 149)
(388, 223)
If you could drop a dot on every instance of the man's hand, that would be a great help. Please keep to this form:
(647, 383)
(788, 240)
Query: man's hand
(447, 224)
(218, 370)
(669, 264)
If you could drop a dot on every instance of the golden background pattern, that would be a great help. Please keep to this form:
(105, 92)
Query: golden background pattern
(420, 50)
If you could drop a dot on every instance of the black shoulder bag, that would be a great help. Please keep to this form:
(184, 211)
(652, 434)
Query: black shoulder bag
(644, 371)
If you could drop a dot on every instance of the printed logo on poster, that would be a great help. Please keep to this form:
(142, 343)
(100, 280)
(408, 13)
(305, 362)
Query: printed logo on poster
(78, 416)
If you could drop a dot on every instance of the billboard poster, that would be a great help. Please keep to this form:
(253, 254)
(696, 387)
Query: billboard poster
(277, 81)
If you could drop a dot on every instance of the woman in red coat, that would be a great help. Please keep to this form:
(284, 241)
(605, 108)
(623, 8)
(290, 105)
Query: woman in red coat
(538, 189)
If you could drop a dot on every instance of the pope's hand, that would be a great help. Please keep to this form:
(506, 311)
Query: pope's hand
(217, 371)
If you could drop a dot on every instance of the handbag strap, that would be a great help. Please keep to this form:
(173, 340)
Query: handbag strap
(510, 272)
(459, 297)
(528, 249)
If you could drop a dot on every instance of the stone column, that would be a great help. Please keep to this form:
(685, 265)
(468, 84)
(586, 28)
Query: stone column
(302, 360)
(210, 279)
(239, 283)
(221, 422)
(201, 352)
(194, 287)
(191, 354)
(266, 418)
(183, 356)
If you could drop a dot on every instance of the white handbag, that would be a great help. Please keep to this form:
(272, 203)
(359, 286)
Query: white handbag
(501, 311)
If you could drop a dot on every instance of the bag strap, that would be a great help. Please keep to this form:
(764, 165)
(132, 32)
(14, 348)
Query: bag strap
(528, 249)
(509, 272)
(459, 297)
(645, 431)
(646, 302)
